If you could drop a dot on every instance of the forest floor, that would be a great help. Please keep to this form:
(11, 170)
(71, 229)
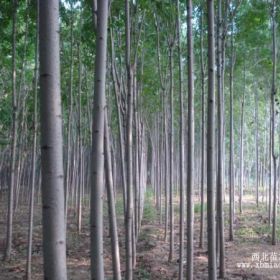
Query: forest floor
(249, 256)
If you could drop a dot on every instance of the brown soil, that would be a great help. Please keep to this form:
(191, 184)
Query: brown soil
(251, 237)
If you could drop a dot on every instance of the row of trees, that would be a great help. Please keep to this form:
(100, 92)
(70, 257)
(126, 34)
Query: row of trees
(168, 112)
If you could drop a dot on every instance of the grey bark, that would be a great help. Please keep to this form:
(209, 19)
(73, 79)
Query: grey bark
(129, 204)
(69, 121)
(212, 270)
(220, 156)
(117, 90)
(202, 67)
(10, 213)
(34, 152)
(273, 96)
(190, 163)
(54, 244)
(171, 149)
(231, 157)
(257, 144)
(96, 214)
(241, 183)
(181, 151)
(80, 144)
(111, 205)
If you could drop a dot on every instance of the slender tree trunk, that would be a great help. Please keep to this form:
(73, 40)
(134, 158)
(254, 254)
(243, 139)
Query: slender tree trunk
(220, 167)
(80, 181)
(96, 214)
(54, 243)
(34, 152)
(273, 96)
(257, 145)
(166, 160)
(70, 113)
(241, 183)
(14, 140)
(181, 152)
(190, 165)
(171, 150)
(202, 219)
(231, 160)
(129, 205)
(212, 269)
(111, 205)
(120, 125)
(270, 168)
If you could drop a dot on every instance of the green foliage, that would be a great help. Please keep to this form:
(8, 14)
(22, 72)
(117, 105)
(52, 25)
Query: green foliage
(150, 212)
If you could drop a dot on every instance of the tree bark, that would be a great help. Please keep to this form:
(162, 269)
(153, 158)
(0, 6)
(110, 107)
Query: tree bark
(212, 270)
(231, 160)
(202, 218)
(171, 150)
(9, 241)
(241, 183)
(129, 204)
(34, 152)
(220, 158)
(54, 245)
(190, 165)
(181, 151)
(96, 214)
(273, 96)
(111, 205)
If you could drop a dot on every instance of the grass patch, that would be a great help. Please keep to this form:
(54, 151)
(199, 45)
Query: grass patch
(150, 212)
(197, 207)
(246, 232)
(119, 206)
(143, 274)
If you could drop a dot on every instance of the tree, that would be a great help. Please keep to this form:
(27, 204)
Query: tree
(129, 204)
(34, 152)
(182, 144)
(96, 215)
(14, 139)
(202, 69)
(220, 140)
(241, 182)
(273, 100)
(212, 270)
(190, 164)
(171, 151)
(111, 203)
(54, 244)
(231, 160)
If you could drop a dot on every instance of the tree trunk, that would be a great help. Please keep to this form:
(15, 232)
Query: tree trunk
(80, 145)
(211, 230)
(182, 145)
(111, 205)
(129, 204)
(171, 149)
(202, 219)
(273, 96)
(34, 152)
(54, 245)
(241, 183)
(231, 160)
(220, 158)
(96, 214)
(14, 141)
(69, 121)
(257, 145)
(190, 164)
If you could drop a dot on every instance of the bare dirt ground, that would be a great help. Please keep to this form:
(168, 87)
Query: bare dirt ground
(251, 247)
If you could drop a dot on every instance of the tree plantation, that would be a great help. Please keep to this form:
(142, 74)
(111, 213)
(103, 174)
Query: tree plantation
(139, 139)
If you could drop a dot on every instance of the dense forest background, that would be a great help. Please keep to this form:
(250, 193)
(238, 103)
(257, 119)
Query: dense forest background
(147, 134)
